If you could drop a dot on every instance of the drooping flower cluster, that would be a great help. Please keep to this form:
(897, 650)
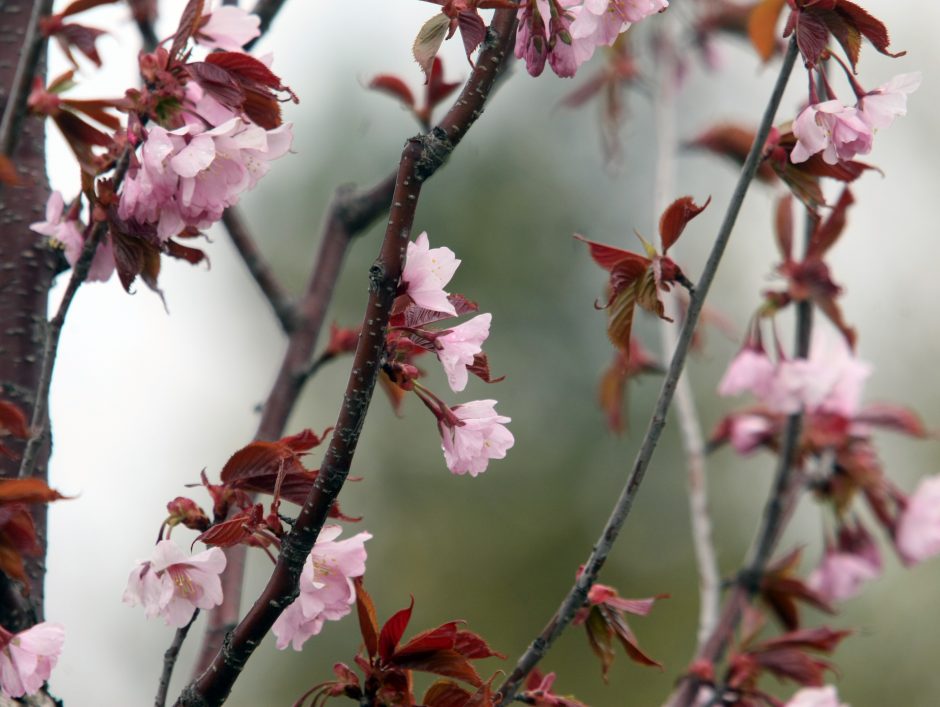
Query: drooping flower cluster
(326, 588)
(471, 433)
(187, 177)
(28, 657)
(565, 33)
(172, 585)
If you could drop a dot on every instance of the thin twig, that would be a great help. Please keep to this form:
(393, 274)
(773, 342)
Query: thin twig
(259, 268)
(31, 53)
(577, 595)
(169, 661)
(690, 427)
(781, 503)
(421, 158)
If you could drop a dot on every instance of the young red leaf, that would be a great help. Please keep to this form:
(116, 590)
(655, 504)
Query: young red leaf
(893, 417)
(438, 89)
(73, 8)
(190, 20)
(392, 632)
(305, 440)
(472, 31)
(811, 36)
(8, 173)
(238, 529)
(762, 27)
(783, 227)
(13, 420)
(446, 662)
(194, 256)
(827, 232)
(609, 257)
(395, 87)
(428, 42)
(260, 459)
(368, 622)
(871, 28)
(472, 646)
(428, 641)
(481, 369)
(446, 693)
(30, 490)
(676, 217)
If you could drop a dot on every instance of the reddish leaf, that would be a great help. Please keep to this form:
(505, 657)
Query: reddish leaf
(811, 36)
(472, 31)
(73, 8)
(609, 257)
(415, 317)
(217, 82)
(428, 42)
(260, 459)
(13, 420)
(30, 490)
(676, 217)
(134, 256)
(434, 639)
(733, 142)
(438, 89)
(846, 34)
(762, 27)
(236, 530)
(94, 109)
(393, 630)
(182, 252)
(893, 417)
(821, 638)
(446, 693)
(8, 173)
(82, 38)
(446, 662)
(481, 369)
(829, 230)
(305, 440)
(783, 226)
(472, 646)
(395, 87)
(246, 68)
(190, 21)
(368, 622)
(871, 28)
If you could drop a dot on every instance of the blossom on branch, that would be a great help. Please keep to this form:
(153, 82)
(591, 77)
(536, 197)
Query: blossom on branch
(600, 22)
(476, 435)
(427, 271)
(847, 565)
(838, 131)
(459, 346)
(228, 28)
(816, 697)
(326, 588)
(64, 230)
(879, 108)
(918, 531)
(28, 657)
(173, 585)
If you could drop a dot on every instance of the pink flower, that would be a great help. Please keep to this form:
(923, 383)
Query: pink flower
(880, 107)
(427, 271)
(482, 436)
(841, 575)
(188, 176)
(748, 432)
(67, 233)
(228, 28)
(816, 697)
(751, 370)
(173, 585)
(28, 657)
(918, 532)
(600, 22)
(839, 132)
(457, 348)
(326, 589)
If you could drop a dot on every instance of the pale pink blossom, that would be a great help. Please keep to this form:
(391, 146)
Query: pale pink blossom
(427, 271)
(918, 531)
(66, 233)
(748, 432)
(468, 447)
(600, 22)
(28, 657)
(457, 348)
(840, 575)
(228, 28)
(173, 585)
(189, 176)
(880, 107)
(326, 589)
(838, 131)
(751, 370)
(816, 697)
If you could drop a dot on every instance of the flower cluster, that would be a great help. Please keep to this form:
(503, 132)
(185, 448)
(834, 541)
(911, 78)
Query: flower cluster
(471, 433)
(65, 231)
(172, 585)
(326, 588)
(28, 657)
(565, 33)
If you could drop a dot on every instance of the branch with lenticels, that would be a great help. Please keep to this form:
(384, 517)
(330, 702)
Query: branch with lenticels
(422, 157)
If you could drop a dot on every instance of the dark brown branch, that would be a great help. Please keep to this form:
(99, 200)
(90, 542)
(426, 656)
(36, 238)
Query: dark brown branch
(266, 10)
(30, 53)
(259, 268)
(420, 159)
(577, 595)
(169, 661)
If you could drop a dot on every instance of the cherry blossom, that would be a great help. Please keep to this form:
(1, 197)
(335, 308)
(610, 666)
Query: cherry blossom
(188, 176)
(326, 589)
(600, 22)
(468, 447)
(847, 565)
(880, 107)
(173, 585)
(66, 233)
(838, 131)
(228, 28)
(816, 697)
(427, 271)
(457, 348)
(28, 657)
(751, 370)
(748, 432)
(918, 531)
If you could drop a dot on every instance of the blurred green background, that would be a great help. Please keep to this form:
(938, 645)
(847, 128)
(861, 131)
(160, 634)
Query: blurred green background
(143, 401)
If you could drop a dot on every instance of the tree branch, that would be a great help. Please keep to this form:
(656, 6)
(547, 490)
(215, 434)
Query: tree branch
(169, 661)
(577, 595)
(259, 268)
(267, 10)
(421, 158)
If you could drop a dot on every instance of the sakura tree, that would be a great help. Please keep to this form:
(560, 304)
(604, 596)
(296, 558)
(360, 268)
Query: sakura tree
(252, 541)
